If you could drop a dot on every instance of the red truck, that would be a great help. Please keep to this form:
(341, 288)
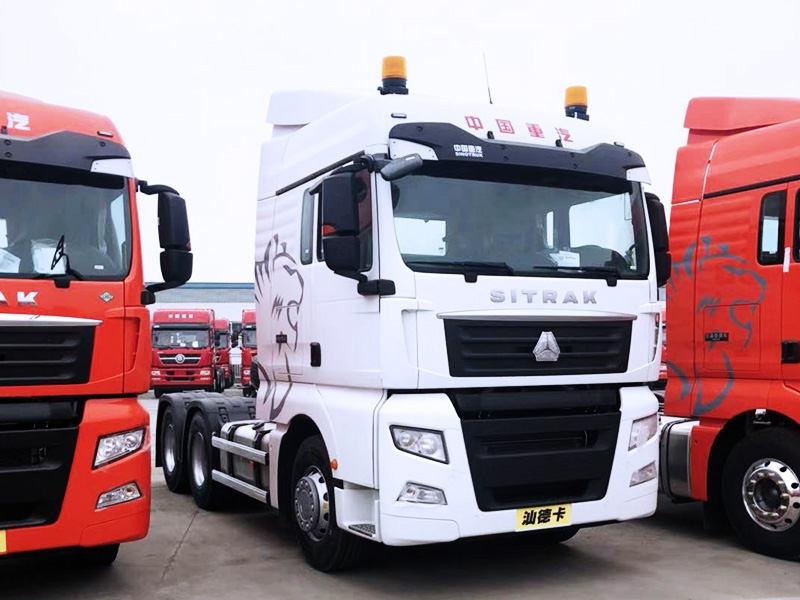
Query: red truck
(74, 331)
(222, 350)
(184, 355)
(249, 349)
(731, 424)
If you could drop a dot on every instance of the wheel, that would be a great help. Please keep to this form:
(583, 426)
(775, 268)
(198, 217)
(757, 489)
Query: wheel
(207, 493)
(219, 381)
(557, 535)
(326, 547)
(761, 489)
(174, 468)
(97, 556)
(229, 381)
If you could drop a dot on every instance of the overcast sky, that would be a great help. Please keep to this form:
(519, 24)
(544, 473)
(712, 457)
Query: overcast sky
(188, 82)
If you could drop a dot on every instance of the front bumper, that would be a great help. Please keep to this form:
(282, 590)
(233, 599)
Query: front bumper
(79, 522)
(403, 523)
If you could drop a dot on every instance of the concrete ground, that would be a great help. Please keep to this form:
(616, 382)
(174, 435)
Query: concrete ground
(246, 553)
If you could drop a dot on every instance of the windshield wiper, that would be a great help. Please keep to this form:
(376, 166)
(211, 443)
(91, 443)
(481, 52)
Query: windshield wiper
(611, 272)
(61, 279)
(469, 267)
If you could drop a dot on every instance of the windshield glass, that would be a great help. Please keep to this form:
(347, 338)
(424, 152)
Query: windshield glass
(181, 338)
(523, 223)
(39, 204)
(249, 337)
(223, 340)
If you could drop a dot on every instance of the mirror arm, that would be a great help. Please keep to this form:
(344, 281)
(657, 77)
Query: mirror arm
(150, 190)
(359, 277)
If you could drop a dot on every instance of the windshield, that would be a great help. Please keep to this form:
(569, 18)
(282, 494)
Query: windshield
(181, 338)
(222, 340)
(528, 222)
(40, 204)
(249, 337)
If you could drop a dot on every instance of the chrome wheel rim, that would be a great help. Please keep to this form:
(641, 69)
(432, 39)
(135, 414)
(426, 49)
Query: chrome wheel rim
(199, 459)
(771, 494)
(311, 504)
(169, 444)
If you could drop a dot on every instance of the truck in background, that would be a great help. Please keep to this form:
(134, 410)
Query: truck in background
(184, 354)
(75, 331)
(222, 349)
(457, 319)
(249, 347)
(731, 424)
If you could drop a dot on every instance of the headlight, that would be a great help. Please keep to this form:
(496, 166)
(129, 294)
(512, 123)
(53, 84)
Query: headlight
(245, 371)
(642, 430)
(205, 372)
(112, 447)
(155, 373)
(422, 442)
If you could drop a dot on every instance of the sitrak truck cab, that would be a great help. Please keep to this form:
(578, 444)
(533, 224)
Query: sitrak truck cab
(731, 424)
(75, 331)
(457, 323)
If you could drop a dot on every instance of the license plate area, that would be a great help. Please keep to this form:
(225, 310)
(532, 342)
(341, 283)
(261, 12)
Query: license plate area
(544, 517)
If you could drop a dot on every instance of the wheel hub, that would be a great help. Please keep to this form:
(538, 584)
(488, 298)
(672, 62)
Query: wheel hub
(771, 494)
(199, 460)
(169, 447)
(311, 506)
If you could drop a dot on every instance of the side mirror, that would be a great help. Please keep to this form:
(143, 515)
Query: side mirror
(658, 225)
(173, 237)
(340, 226)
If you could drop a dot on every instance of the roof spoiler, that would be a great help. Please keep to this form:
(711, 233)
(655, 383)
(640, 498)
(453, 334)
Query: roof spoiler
(714, 117)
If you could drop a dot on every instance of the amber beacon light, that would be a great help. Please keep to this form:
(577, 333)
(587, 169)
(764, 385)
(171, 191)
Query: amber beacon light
(393, 75)
(576, 103)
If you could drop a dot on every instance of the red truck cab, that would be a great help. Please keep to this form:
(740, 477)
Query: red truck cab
(249, 348)
(183, 356)
(222, 349)
(731, 424)
(74, 331)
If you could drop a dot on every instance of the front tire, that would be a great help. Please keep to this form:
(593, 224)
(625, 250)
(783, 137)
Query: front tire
(761, 489)
(325, 547)
(200, 460)
(174, 468)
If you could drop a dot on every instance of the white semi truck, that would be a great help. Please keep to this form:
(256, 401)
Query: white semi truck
(458, 318)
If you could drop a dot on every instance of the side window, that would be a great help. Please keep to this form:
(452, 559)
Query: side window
(307, 229)
(771, 228)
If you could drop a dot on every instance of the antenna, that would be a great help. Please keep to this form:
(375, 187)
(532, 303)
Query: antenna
(486, 72)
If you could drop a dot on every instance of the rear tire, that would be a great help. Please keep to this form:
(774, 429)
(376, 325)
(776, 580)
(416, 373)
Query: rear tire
(97, 556)
(173, 466)
(201, 458)
(325, 547)
(762, 492)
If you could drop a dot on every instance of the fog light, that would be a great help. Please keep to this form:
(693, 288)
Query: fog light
(422, 442)
(124, 493)
(642, 430)
(112, 447)
(645, 474)
(421, 494)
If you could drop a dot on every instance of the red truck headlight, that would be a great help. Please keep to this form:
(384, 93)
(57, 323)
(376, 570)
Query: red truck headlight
(115, 446)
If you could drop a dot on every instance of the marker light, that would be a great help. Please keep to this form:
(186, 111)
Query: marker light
(576, 102)
(393, 75)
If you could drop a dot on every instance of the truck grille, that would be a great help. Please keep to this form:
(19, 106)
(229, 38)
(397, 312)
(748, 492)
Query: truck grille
(188, 359)
(537, 446)
(45, 356)
(505, 348)
(37, 445)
